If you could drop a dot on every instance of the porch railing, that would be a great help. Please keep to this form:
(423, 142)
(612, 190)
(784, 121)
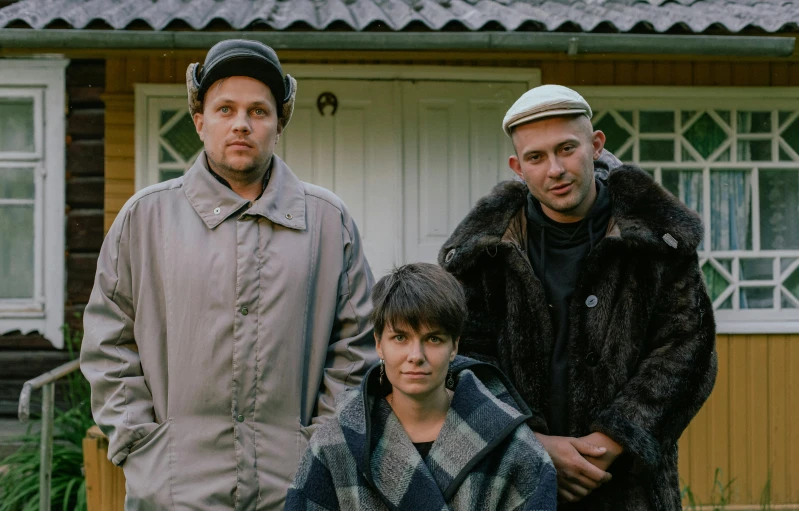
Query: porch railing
(46, 382)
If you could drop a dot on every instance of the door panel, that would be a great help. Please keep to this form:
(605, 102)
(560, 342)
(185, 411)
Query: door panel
(454, 152)
(354, 153)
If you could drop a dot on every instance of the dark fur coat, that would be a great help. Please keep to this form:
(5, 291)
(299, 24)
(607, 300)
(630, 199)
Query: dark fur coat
(641, 350)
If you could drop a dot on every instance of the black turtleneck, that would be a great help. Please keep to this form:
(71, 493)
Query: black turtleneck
(557, 252)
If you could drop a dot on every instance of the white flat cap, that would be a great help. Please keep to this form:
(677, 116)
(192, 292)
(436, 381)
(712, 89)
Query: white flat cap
(545, 101)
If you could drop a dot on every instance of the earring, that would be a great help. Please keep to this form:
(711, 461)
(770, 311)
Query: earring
(450, 380)
(382, 371)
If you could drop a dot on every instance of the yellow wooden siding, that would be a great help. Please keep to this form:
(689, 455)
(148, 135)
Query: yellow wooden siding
(122, 72)
(746, 428)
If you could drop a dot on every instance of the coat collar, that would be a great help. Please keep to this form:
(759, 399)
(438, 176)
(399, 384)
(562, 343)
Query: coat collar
(485, 411)
(283, 201)
(643, 214)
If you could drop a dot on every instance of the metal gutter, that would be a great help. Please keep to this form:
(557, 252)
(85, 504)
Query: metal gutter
(570, 43)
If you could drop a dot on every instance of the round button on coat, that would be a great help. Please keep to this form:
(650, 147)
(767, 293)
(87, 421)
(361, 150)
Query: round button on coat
(240, 418)
(591, 301)
(592, 358)
(245, 311)
(217, 211)
(449, 256)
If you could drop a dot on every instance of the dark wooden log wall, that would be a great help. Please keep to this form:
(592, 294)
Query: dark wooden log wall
(26, 355)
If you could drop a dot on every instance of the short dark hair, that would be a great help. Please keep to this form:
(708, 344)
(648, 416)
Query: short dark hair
(419, 294)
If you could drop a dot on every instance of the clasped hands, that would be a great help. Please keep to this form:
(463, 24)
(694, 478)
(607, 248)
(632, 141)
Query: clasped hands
(581, 463)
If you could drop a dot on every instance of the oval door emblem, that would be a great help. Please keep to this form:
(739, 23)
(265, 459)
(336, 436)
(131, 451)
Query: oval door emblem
(327, 99)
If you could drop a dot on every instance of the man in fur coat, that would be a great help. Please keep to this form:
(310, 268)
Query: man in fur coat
(585, 289)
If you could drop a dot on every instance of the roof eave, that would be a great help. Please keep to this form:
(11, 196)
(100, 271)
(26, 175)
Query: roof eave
(570, 43)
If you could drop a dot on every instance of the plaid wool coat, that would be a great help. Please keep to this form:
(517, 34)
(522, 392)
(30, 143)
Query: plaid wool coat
(485, 457)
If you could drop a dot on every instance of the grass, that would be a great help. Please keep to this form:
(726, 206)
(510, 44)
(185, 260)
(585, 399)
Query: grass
(722, 495)
(19, 484)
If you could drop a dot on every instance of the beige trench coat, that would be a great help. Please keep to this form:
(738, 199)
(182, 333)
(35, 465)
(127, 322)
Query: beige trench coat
(218, 333)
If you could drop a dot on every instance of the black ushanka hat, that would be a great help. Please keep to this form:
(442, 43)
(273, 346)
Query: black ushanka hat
(241, 57)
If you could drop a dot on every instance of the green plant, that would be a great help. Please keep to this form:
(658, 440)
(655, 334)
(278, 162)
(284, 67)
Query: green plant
(721, 495)
(19, 485)
(765, 495)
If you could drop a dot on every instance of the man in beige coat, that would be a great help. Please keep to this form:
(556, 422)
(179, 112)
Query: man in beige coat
(230, 306)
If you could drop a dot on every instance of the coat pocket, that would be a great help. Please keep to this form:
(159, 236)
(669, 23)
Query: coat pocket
(148, 471)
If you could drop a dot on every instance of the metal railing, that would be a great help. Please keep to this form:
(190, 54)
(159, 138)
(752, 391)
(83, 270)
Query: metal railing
(46, 382)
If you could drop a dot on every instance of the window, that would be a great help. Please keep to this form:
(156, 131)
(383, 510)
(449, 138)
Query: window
(166, 140)
(32, 185)
(732, 156)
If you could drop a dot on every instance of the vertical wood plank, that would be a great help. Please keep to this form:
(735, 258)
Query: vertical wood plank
(115, 75)
(721, 73)
(585, 73)
(793, 74)
(683, 73)
(604, 73)
(739, 412)
(759, 400)
(759, 74)
(703, 75)
(685, 453)
(566, 72)
(91, 468)
(136, 72)
(780, 74)
(154, 69)
(701, 484)
(664, 73)
(718, 407)
(179, 66)
(549, 73)
(792, 411)
(624, 71)
(644, 73)
(778, 404)
(740, 74)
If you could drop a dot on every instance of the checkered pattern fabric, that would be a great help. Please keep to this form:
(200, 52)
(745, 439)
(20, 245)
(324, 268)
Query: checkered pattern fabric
(485, 457)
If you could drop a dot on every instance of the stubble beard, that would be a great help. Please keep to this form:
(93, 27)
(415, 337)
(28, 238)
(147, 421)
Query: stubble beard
(573, 202)
(246, 174)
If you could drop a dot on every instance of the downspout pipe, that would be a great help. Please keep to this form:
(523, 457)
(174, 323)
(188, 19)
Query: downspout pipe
(569, 43)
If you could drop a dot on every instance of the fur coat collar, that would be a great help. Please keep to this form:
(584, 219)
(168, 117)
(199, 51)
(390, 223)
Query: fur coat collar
(644, 216)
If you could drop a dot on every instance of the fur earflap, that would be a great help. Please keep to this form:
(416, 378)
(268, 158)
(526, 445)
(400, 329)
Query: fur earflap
(196, 105)
(288, 106)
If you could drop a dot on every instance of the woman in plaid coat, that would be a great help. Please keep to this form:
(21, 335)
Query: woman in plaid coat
(403, 440)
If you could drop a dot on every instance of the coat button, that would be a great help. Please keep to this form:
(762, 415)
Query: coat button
(240, 418)
(217, 211)
(245, 311)
(591, 358)
(288, 216)
(449, 256)
(591, 301)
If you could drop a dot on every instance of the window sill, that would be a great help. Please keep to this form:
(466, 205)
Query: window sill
(10, 309)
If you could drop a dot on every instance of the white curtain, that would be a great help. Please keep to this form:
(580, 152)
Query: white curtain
(731, 209)
(690, 189)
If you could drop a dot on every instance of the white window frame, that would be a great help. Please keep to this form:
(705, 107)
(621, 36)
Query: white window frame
(737, 321)
(44, 80)
(148, 95)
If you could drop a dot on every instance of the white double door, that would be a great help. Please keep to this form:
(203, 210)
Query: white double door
(409, 159)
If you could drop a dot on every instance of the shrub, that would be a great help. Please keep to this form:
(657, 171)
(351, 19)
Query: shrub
(19, 485)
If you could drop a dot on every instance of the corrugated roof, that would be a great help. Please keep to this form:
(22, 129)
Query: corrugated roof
(586, 15)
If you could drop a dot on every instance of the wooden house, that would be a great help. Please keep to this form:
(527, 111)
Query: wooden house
(398, 112)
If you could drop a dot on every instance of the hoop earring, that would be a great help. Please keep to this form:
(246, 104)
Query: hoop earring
(382, 370)
(450, 380)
